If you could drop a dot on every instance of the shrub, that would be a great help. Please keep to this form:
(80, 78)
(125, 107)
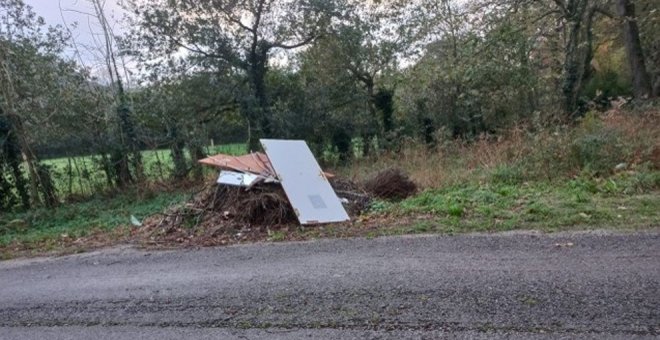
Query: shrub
(507, 174)
(598, 152)
(638, 182)
(330, 156)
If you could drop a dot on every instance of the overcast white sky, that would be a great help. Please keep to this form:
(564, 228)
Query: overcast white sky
(78, 16)
(87, 33)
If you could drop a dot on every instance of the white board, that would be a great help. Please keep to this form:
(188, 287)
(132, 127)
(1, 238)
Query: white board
(307, 188)
(236, 178)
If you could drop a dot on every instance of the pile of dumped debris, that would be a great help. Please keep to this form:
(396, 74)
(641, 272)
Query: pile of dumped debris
(391, 184)
(252, 197)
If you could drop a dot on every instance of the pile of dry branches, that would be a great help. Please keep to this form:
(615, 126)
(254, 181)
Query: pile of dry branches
(265, 205)
(355, 199)
(390, 183)
(221, 214)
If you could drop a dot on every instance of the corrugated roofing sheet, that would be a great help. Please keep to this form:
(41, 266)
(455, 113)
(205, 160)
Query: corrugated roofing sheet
(256, 163)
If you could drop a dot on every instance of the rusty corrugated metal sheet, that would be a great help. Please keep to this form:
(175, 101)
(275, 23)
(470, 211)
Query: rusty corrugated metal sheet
(256, 163)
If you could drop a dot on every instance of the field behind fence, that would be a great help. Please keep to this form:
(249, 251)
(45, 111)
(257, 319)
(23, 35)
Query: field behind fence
(82, 176)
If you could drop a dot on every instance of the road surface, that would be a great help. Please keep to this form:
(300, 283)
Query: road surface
(596, 285)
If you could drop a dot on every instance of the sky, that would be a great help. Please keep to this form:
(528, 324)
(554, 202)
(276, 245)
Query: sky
(76, 15)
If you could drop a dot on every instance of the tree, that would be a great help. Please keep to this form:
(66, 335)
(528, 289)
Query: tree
(356, 62)
(648, 17)
(636, 61)
(180, 112)
(126, 153)
(568, 24)
(30, 72)
(477, 73)
(242, 35)
(12, 182)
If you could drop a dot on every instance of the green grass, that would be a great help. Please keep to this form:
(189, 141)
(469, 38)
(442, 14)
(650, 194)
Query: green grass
(44, 227)
(623, 201)
(86, 178)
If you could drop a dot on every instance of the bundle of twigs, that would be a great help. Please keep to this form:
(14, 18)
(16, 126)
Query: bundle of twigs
(356, 199)
(391, 184)
(264, 205)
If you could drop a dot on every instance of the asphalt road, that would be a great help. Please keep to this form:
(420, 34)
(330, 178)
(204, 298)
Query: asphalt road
(522, 286)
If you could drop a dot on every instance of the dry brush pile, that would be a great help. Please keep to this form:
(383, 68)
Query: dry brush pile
(391, 184)
(220, 214)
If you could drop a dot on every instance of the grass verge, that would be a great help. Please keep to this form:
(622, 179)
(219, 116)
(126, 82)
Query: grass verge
(627, 201)
(80, 226)
(576, 203)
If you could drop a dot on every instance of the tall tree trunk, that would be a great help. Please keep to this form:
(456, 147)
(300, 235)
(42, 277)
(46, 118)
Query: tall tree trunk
(128, 152)
(129, 138)
(11, 153)
(41, 183)
(373, 127)
(121, 169)
(578, 52)
(47, 187)
(640, 77)
(197, 153)
(384, 102)
(259, 115)
(178, 155)
(16, 124)
(572, 63)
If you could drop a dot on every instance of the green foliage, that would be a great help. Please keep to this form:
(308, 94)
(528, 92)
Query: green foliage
(357, 147)
(550, 206)
(596, 149)
(506, 174)
(624, 183)
(330, 155)
(592, 148)
(366, 80)
(485, 84)
(649, 24)
(455, 209)
(228, 46)
(607, 84)
(13, 185)
(449, 202)
(34, 82)
(379, 206)
(276, 236)
(80, 219)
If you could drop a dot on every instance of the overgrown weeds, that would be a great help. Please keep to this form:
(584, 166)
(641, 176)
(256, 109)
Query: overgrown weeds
(601, 145)
(602, 172)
